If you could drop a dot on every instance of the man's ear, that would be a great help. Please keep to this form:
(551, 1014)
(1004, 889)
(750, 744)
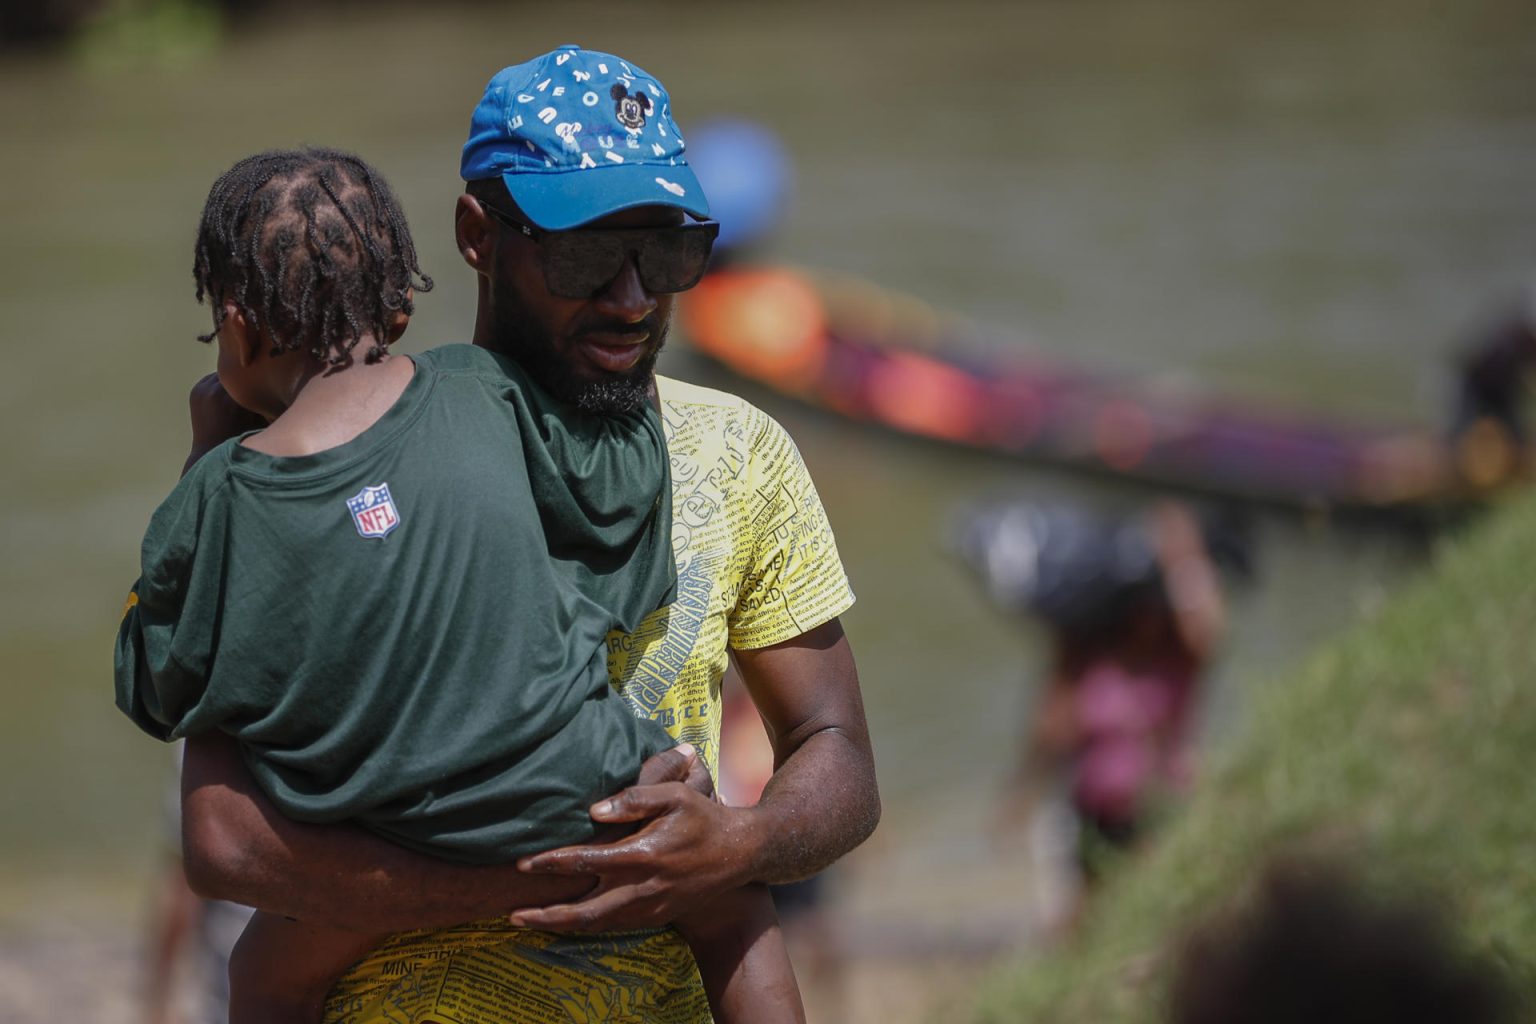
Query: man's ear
(236, 339)
(472, 233)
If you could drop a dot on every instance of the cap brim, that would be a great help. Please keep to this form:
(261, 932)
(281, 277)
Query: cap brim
(557, 200)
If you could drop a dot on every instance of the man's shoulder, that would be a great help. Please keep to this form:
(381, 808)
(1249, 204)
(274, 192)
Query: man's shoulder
(693, 408)
(681, 392)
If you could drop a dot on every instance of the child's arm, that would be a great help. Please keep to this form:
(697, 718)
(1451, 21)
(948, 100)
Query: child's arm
(239, 847)
(741, 956)
(281, 969)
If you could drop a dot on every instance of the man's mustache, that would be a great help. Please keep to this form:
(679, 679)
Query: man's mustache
(652, 324)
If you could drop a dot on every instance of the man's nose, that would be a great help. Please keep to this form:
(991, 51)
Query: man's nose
(625, 297)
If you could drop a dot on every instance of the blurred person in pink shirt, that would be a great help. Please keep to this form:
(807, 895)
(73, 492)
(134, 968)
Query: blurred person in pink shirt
(1135, 612)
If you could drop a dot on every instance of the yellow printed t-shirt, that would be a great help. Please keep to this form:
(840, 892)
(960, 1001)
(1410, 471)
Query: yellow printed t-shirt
(756, 565)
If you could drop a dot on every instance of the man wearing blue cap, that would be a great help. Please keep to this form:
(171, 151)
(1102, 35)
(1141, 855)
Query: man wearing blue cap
(576, 220)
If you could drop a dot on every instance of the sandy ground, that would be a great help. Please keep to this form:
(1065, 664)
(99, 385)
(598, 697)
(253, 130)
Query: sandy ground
(71, 974)
(911, 922)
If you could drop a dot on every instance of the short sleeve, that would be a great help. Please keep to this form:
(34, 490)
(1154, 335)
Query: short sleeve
(167, 640)
(794, 580)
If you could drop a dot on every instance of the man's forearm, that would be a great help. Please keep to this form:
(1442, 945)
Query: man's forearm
(822, 799)
(820, 804)
(239, 847)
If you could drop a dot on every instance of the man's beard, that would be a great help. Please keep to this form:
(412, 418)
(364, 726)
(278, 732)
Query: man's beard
(521, 337)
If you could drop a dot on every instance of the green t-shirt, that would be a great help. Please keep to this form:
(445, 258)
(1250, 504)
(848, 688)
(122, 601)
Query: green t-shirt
(757, 565)
(407, 630)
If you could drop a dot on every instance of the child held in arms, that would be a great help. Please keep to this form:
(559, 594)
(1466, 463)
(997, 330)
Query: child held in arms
(394, 596)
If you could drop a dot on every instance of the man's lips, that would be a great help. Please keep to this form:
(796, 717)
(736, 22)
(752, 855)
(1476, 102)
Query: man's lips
(615, 351)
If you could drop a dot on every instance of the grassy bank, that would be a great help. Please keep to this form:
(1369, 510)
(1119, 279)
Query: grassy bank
(1406, 747)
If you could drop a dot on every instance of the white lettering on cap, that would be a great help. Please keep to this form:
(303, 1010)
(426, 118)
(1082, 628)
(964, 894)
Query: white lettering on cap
(671, 186)
(548, 114)
(611, 155)
(590, 99)
(587, 161)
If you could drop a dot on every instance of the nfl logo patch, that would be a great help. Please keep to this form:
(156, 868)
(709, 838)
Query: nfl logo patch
(373, 511)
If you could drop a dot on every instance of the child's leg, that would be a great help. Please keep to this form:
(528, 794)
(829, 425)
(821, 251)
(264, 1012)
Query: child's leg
(281, 970)
(741, 957)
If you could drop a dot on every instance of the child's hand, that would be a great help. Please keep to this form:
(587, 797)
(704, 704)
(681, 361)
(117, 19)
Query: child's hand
(216, 418)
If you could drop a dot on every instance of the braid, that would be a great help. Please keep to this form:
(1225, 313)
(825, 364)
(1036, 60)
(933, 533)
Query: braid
(310, 245)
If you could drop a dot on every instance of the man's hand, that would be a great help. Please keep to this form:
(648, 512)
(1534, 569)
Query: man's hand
(689, 849)
(676, 764)
(821, 802)
(240, 847)
(216, 418)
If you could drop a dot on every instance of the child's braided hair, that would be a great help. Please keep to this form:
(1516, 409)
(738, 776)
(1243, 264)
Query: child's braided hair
(312, 247)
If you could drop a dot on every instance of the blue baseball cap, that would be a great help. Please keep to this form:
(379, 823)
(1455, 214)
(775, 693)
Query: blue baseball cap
(577, 135)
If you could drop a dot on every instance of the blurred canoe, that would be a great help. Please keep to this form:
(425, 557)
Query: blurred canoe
(875, 356)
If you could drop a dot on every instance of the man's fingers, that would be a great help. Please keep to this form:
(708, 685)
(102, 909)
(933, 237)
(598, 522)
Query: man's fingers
(699, 778)
(595, 913)
(563, 917)
(679, 764)
(574, 860)
(638, 803)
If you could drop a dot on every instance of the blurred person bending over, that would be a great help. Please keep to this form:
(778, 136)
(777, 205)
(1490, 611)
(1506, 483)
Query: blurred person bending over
(573, 219)
(1134, 610)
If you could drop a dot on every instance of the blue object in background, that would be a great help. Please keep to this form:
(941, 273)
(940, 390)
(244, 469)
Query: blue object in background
(746, 172)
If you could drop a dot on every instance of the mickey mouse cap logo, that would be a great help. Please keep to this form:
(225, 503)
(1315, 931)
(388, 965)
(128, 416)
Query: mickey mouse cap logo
(629, 108)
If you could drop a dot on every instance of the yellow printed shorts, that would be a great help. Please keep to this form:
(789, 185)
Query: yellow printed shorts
(491, 973)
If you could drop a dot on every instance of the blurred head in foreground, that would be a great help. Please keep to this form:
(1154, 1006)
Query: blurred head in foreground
(1310, 947)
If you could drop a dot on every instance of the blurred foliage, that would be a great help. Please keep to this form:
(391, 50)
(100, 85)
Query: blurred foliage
(133, 28)
(1399, 748)
(162, 32)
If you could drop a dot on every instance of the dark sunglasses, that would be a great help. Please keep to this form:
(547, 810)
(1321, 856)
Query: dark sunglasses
(578, 263)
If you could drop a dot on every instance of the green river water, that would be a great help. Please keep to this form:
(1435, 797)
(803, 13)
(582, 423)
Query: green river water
(1302, 203)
